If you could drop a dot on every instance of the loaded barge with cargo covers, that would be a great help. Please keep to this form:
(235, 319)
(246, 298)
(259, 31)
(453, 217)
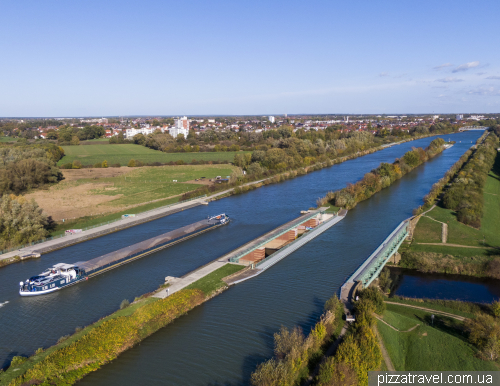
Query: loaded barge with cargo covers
(63, 275)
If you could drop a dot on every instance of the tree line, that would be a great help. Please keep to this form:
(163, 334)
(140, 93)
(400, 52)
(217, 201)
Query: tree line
(382, 177)
(465, 195)
(23, 167)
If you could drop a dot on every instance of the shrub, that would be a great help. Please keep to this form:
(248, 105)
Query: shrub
(98, 165)
(495, 308)
(107, 340)
(131, 163)
(117, 165)
(124, 304)
(104, 164)
(18, 360)
(77, 164)
(62, 339)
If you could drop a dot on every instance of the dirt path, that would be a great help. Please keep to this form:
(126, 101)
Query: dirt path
(457, 245)
(385, 354)
(444, 229)
(394, 328)
(442, 313)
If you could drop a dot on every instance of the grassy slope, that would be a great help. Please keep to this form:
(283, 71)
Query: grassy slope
(212, 282)
(208, 285)
(429, 231)
(122, 154)
(428, 348)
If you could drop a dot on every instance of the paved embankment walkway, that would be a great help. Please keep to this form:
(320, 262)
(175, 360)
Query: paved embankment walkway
(176, 284)
(66, 241)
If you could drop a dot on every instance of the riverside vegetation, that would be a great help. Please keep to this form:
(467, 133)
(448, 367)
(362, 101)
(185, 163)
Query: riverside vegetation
(296, 354)
(359, 351)
(475, 190)
(382, 177)
(92, 347)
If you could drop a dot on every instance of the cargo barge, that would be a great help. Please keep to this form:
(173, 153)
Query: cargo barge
(64, 275)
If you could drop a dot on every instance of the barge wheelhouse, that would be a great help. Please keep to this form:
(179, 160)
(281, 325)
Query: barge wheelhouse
(54, 278)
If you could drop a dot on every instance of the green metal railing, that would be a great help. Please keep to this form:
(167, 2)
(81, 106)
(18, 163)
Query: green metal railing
(94, 226)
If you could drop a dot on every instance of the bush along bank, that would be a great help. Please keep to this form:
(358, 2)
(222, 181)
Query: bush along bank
(88, 349)
(465, 195)
(100, 344)
(438, 187)
(272, 176)
(382, 177)
(296, 353)
(359, 352)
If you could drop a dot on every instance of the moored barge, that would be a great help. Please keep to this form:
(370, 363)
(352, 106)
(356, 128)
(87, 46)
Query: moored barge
(63, 275)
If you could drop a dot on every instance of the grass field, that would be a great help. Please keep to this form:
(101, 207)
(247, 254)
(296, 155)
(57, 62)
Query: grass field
(93, 199)
(8, 139)
(428, 231)
(212, 282)
(438, 347)
(122, 154)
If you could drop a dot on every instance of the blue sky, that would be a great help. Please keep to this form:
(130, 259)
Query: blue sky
(92, 58)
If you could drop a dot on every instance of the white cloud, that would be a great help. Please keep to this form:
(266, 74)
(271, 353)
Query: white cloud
(383, 74)
(449, 80)
(440, 67)
(493, 77)
(490, 91)
(466, 66)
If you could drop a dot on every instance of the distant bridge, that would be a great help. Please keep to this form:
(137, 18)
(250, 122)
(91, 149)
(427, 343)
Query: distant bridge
(471, 128)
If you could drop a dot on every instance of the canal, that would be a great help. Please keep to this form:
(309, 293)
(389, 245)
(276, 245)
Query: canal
(223, 340)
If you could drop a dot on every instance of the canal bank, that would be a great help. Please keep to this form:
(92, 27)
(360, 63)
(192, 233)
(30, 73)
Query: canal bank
(296, 284)
(235, 330)
(103, 341)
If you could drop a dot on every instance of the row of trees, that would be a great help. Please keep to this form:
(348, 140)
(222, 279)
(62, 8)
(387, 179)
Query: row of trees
(465, 195)
(330, 140)
(359, 352)
(24, 167)
(293, 351)
(21, 221)
(382, 177)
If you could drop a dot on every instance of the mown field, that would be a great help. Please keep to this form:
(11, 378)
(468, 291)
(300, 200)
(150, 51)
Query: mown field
(439, 347)
(429, 231)
(89, 197)
(122, 154)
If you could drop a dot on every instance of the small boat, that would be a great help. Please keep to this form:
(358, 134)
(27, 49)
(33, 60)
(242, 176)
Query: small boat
(59, 276)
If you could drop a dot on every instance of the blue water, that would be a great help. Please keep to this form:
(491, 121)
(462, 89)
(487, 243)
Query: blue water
(222, 340)
(450, 287)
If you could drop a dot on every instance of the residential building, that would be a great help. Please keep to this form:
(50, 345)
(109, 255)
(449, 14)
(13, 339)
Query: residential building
(181, 127)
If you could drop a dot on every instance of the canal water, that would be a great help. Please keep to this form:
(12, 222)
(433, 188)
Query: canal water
(222, 340)
(415, 284)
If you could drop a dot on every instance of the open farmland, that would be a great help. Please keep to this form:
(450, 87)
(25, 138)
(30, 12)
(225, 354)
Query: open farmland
(96, 192)
(122, 154)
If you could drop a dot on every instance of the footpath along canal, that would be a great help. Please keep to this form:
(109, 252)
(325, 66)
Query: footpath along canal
(224, 339)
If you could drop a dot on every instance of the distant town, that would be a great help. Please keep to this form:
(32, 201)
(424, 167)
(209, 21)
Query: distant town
(129, 127)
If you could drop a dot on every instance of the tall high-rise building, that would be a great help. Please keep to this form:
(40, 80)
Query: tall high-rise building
(459, 117)
(181, 126)
(271, 119)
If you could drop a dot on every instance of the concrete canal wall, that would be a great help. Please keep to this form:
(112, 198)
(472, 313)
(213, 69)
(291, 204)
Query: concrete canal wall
(279, 237)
